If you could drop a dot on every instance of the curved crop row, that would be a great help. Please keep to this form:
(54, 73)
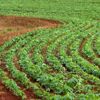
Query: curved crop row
(52, 64)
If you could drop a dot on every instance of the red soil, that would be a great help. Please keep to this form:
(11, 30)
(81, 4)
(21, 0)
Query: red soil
(11, 26)
(5, 94)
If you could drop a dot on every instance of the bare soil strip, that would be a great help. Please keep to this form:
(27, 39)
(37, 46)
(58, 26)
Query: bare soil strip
(5, 94)
(82, 53)
(12, 26)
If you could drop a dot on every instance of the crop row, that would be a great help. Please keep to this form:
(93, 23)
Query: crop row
(49, 63)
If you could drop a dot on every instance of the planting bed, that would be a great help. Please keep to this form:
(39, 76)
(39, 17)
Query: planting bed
(52, 64)
(10, 27)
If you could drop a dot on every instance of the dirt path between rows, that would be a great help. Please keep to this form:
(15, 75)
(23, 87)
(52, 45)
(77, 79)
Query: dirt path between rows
(12, 26)
(89, 59)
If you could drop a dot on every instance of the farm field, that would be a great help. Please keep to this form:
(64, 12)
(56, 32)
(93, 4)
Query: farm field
(49, 49)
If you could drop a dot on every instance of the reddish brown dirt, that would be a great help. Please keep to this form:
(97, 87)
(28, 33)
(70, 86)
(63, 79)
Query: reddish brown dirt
(30, 95)
(6, 94)
(11, 26)
(81, 50)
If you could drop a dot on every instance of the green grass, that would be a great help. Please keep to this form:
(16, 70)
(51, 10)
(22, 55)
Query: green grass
(54, 9)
